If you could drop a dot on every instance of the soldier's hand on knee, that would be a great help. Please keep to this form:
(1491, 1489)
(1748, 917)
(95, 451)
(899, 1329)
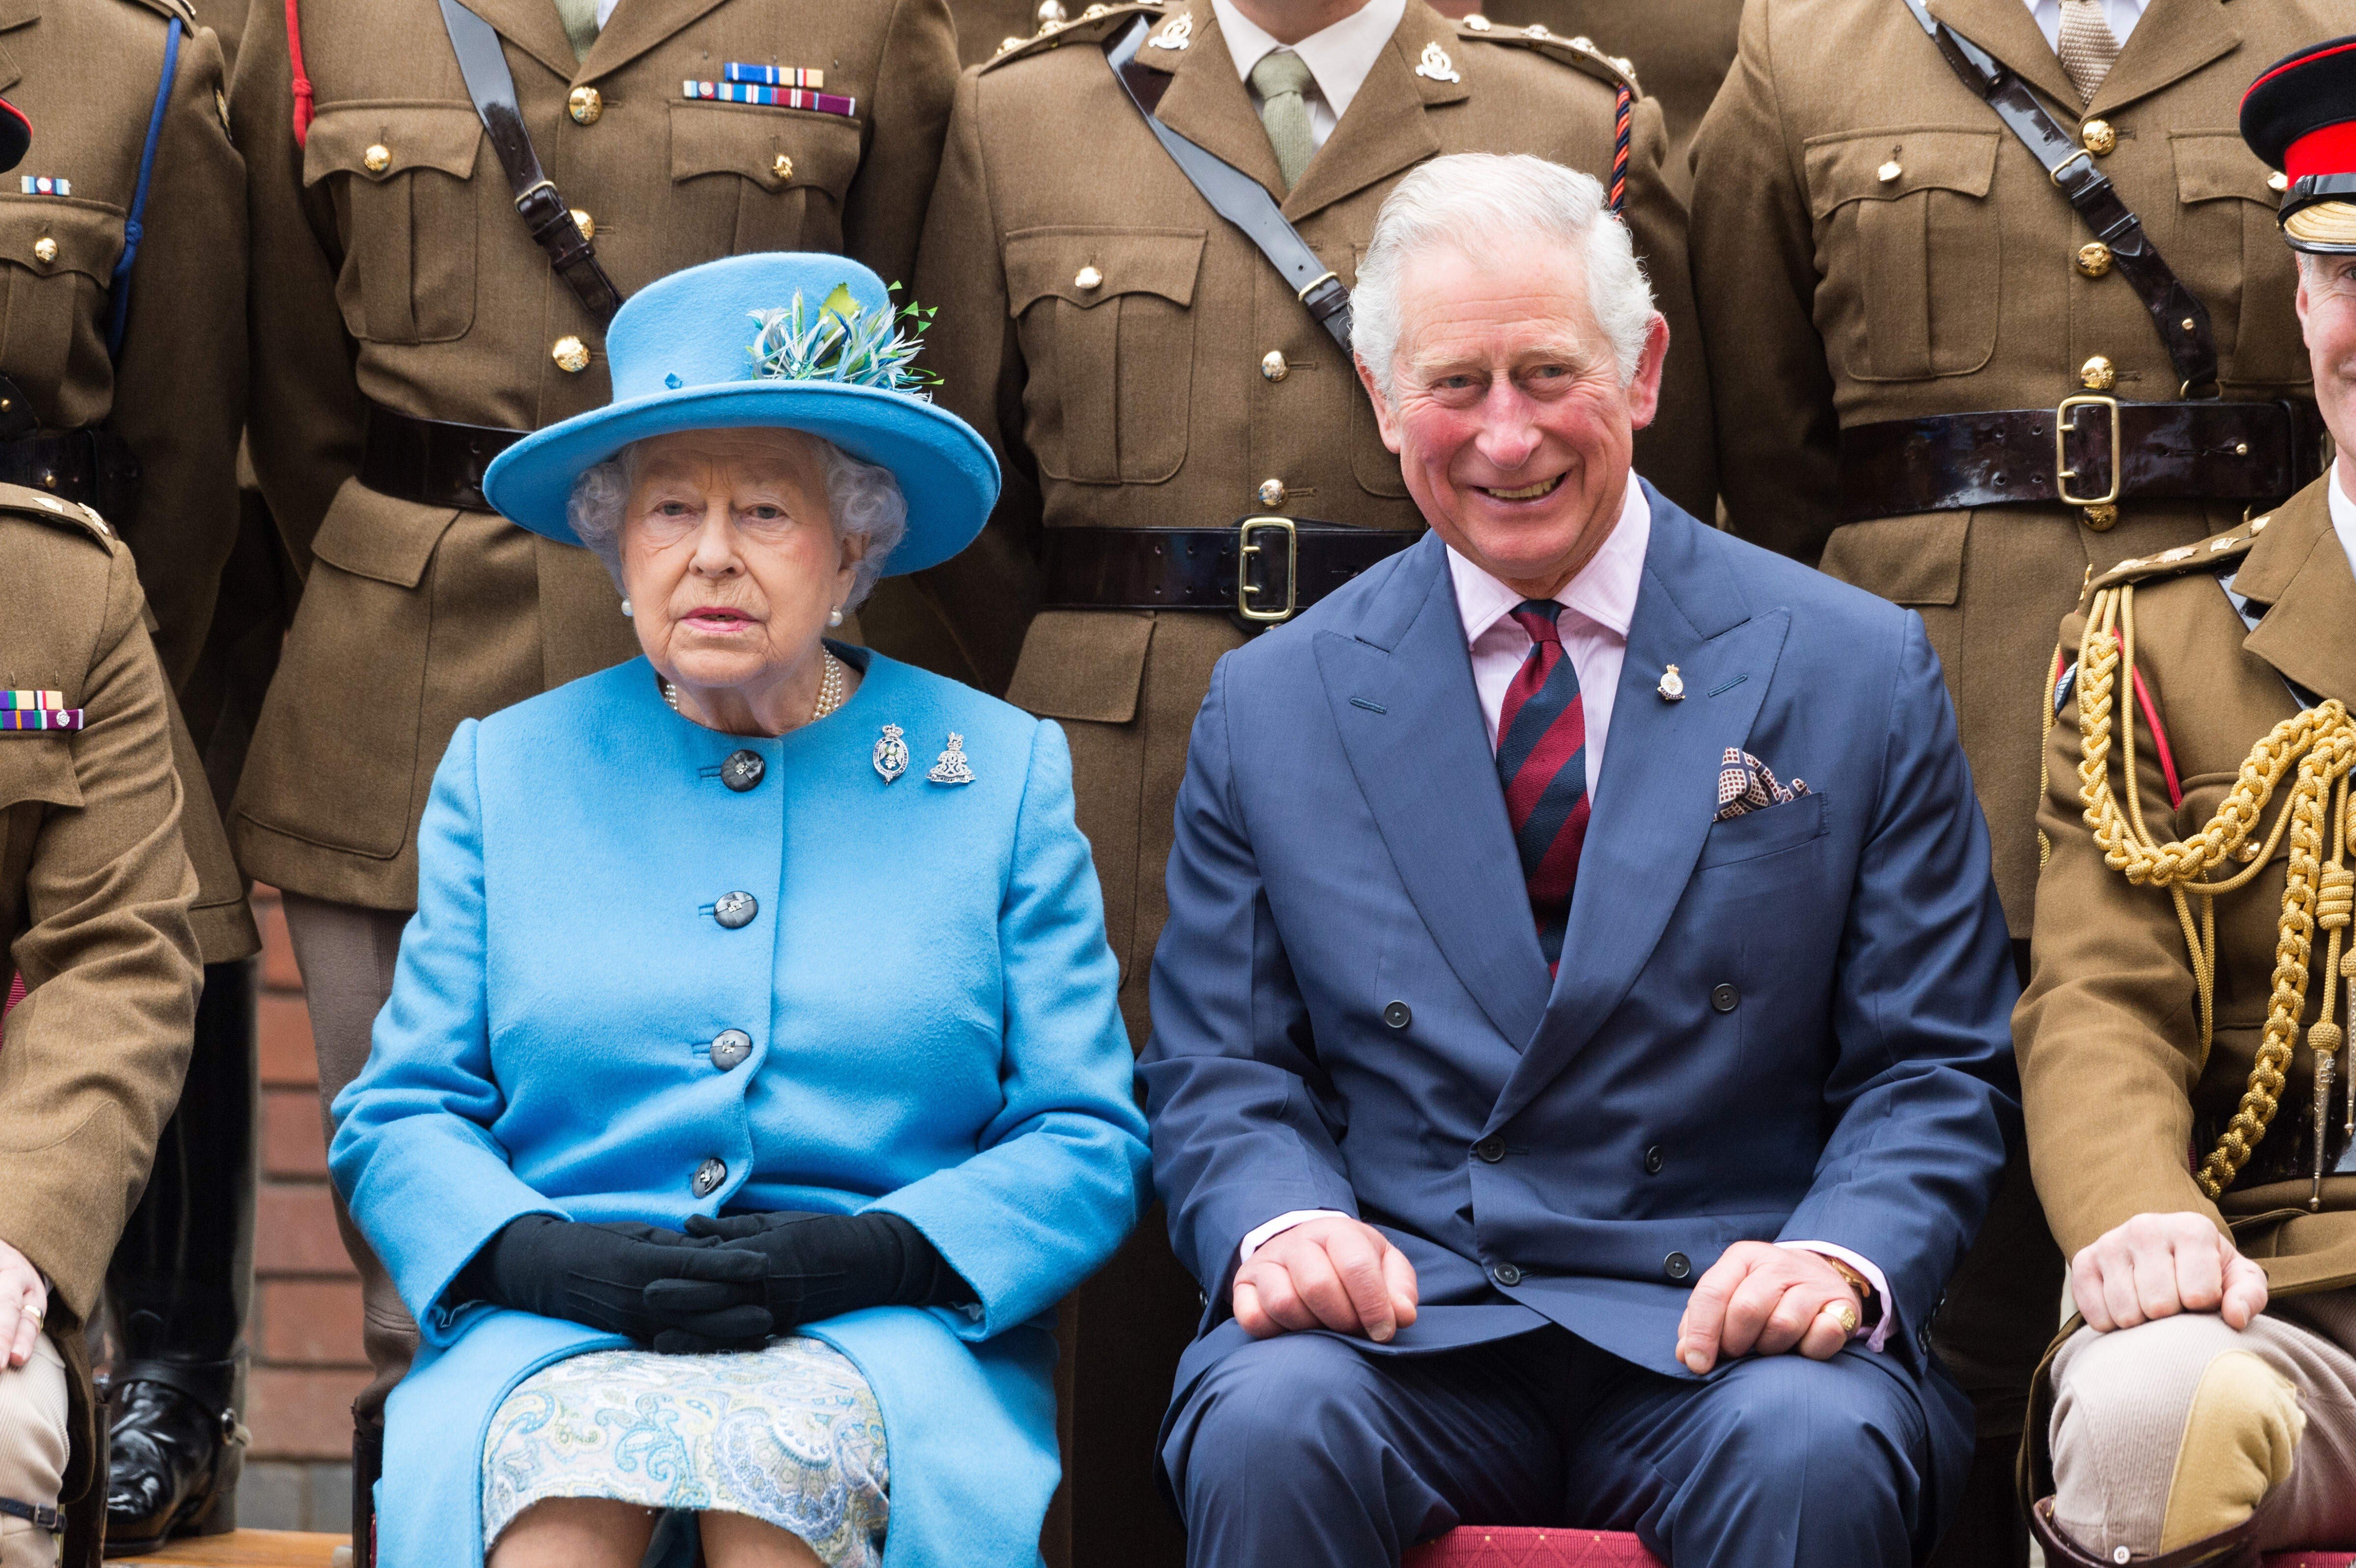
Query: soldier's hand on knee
(1338, 1272)
(2156, 1266)
(24, 1304)
(1762, 1299)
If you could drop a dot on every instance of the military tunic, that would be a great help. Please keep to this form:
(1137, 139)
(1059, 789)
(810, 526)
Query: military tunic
(1870, 243)
(395, 270)
(95, 889)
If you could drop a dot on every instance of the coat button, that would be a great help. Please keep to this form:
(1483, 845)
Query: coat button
(377, 159)
(2098, 374)
(2278, 182)
(2099, 137)
(1676, 1266)
(584, 104)
(708, 1178)
(1087, 280)
(572, 354)
(730, 1047)
(1654, 1160)
(782, 167)
(584, 222)
(1507, 1274)
(1272, 492)
(735, 910)
(742, 770)
(45, 249)
(1398, 1015)
(1723, 997)
(1274, 366)
(2095, 259)
(1887, 173)
(1491, 1148)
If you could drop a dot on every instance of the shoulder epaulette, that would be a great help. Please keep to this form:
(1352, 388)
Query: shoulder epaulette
(1093, 25)
(177, 8)
(1615, 70)
(2213, 551)
(18, 500)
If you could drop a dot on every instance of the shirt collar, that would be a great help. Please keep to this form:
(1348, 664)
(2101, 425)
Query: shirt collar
(2343, 509)
(1604, 591)
(1338, 57)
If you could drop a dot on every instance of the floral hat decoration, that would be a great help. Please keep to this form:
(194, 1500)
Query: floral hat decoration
(786, 340)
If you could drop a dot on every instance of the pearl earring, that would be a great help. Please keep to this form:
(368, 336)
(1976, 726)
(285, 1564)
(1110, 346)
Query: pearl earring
(626, 605)
(834, 617)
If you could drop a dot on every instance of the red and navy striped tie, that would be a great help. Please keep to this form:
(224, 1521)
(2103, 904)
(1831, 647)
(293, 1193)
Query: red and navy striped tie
(1542, 763)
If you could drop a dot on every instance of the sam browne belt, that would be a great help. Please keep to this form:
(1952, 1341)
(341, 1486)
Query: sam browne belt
(1263, 570)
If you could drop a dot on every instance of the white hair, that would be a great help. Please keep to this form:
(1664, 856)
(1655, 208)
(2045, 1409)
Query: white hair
(1468, 198)
(863, 499)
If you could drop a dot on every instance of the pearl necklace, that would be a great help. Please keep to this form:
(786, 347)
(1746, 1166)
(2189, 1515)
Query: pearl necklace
(829, 688)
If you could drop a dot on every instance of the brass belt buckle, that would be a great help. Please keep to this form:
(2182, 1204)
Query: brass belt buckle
(2065, 425)
(1246, 549)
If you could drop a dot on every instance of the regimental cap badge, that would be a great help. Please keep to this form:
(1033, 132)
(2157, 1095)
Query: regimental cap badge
(1436, 65)
(1175, 33)
(951, 768)
(892, 754)
(1672, 686)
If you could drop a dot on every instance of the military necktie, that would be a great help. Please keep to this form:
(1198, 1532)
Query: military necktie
(1542, 763)
(1281, 78)
(580, 19)
(2089, 47)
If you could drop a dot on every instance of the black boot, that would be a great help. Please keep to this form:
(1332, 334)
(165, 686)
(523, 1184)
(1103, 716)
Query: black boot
(177, 1291)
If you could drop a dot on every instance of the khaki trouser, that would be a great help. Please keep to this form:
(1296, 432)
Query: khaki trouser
(346, 954)
(2170, 1433)
(32, 1452)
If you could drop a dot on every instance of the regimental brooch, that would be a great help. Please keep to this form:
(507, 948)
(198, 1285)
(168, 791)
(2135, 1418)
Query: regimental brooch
(891, 754)
(1672, 686)
(951, 769)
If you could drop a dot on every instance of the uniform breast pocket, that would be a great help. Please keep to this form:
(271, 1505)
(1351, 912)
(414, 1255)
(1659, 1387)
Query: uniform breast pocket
(402, 177)
(1907, 245)
(1105, 319)
(775, 179)
(57, 256)
(2231, 254)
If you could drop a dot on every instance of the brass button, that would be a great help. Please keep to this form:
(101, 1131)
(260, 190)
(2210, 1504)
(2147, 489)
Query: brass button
(45, 249)
(2100, 139)
(587, 224)
(377, 159)
(1272, 365)
(1477, 23)
(1087, 280)
(2278, 182)
(2098, 374)
(584, 104)
(2095, 259)
(782, 167)
(1050, 12)
(1888, 171)
(1272, 492)
(572, 354)
(2102, 518)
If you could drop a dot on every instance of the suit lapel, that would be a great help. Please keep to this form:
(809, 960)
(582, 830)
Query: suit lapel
(2299, 569)
(1385, 130)
(635, 29)
(2175, 38)
(1207, 103)
(2007, 30)
(1401, 695)
(531, 25)
(1659, 792)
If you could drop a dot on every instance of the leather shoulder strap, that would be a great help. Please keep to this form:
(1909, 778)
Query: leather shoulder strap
(1233, 194)
(492, 87)
(2182, 320)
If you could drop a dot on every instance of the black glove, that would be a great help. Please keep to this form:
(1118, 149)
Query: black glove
(598, 1275)
(820, 1265)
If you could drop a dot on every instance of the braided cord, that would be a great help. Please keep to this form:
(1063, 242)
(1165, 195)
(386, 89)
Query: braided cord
(1623, 114)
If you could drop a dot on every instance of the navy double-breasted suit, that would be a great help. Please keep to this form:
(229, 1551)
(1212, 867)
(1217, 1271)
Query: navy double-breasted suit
(1788, 1025)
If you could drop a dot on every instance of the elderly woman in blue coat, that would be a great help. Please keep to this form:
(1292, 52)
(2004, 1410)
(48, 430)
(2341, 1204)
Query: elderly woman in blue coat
(753, 1085)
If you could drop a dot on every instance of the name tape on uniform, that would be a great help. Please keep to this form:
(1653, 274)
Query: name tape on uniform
(776, 96)
(774, 75)
(42, 185)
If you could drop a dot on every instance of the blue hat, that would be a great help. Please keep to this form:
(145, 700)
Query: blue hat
(786, 340)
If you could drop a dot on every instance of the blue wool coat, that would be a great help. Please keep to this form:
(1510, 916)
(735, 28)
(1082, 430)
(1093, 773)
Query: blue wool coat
(931, 1003)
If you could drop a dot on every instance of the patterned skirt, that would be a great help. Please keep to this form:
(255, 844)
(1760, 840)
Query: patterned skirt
(790, 1434)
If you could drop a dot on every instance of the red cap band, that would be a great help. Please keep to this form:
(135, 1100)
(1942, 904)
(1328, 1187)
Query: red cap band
(2329, 151)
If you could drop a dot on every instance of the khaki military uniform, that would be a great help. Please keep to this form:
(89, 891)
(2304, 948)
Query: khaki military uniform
(395, 270)
(984, 27)
(95, 890)
(2117, 1086)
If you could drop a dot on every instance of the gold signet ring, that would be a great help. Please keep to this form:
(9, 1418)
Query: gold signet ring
(1842, 1313)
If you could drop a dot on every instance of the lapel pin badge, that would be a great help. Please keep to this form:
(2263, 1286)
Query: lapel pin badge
(951, 768)
(1672, 686)
(891, 754)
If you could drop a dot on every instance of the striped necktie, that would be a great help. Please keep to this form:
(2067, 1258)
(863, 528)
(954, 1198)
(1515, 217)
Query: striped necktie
(1542, 763)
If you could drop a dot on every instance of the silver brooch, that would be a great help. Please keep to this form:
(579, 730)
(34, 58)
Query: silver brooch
(951, 768)
(891, 754)
(1672, 686)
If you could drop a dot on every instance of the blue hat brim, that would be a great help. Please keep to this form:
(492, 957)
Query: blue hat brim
(945, 470)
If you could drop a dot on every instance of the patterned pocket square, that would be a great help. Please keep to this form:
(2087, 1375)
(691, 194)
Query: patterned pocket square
(1745, 783)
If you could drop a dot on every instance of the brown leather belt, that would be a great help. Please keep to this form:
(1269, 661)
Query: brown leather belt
(2090, 451)
(1262, 570)
(434, 463)
(94, 468)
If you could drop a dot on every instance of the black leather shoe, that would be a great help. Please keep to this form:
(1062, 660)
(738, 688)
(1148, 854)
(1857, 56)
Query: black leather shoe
(178, 1451)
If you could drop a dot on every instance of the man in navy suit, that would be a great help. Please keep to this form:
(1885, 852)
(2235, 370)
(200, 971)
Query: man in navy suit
(1566, 1137)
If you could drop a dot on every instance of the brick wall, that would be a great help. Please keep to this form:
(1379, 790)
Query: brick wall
(304, 1337)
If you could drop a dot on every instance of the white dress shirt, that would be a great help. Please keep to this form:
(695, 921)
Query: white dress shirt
(2122, 15)
(1338, 57)
(2344, 508)
(1598, 606)
(606, 12)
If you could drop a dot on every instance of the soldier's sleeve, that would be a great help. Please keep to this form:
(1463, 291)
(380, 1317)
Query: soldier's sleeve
(180, 380)
(1754, 284)
(885, 210)
(984, 598)
(1677, 452)
(304, 418)
(2108, 1032)
(94, 1055)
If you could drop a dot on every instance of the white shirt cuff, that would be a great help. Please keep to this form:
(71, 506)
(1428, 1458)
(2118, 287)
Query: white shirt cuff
(1259, 1236)
(1875, 1334)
